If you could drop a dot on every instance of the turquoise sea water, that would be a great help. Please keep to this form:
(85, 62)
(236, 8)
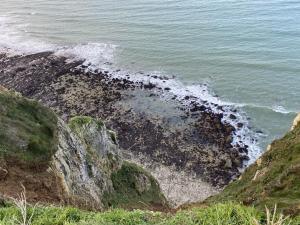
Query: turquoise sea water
(248, 52)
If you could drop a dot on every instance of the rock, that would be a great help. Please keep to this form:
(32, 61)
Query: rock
(86, 158)
(3, 173)
(143, 183)
(149, 86)
(2, 201)
(228, 163)
(233, 117)
(296, 122)
(240, 125)
(259, 161)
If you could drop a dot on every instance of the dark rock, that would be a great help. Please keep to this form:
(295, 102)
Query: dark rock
(233, 117)
(240, 125)
(152, 136)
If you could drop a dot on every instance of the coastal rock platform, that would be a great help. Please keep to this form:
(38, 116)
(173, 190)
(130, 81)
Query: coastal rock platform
(187, 148)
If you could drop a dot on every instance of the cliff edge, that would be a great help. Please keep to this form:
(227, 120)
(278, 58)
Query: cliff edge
(273, 179)
(77, 163)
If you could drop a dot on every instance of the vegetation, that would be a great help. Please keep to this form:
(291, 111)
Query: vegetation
(219, 214)
(29, 133)
(273, 179)
(28, 130)
(128, 193)
(77, 122)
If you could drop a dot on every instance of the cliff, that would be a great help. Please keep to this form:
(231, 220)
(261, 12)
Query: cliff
(77, 163)
(273, 179)
(80, 164)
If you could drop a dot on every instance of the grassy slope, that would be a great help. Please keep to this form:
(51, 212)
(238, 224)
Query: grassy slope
(219, 214)
(27, 129)
(277, 178)
(126, 191)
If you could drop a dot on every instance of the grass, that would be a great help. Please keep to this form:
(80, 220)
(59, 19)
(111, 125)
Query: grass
(27, 129)
(219, 214)
(127, 192)
(277, 178)
(77, 122)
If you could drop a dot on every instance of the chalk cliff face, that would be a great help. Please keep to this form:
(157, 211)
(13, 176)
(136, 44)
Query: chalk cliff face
(77, 163)
(86, 157)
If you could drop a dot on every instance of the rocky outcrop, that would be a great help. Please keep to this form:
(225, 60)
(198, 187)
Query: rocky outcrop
(77, 163)
(85, 159)
(296, 122)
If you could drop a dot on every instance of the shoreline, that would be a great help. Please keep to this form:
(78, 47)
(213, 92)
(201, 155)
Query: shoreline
(180, 138)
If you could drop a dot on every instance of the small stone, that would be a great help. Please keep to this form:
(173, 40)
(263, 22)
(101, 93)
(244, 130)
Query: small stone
(233, 117)
(240, 125)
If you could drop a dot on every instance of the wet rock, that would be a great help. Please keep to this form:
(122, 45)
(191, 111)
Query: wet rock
(240, 125)
(233, 117)
(190, 144)
(149, 86)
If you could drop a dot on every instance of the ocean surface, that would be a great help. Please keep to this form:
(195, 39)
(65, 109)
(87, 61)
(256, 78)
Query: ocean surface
(245, 53)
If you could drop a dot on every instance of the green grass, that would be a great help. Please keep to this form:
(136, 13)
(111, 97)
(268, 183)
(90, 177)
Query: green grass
(219, 214)
(77, 122)
(27, 129)
(278, 181)
(127, 193)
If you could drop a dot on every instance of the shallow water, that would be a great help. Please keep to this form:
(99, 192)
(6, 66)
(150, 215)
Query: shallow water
(248, 52)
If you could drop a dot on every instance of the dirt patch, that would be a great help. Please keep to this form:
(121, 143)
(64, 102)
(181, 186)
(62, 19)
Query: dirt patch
(40, 183)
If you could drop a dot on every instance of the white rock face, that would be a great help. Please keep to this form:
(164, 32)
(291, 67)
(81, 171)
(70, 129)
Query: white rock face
(296, 121)
(85, 159)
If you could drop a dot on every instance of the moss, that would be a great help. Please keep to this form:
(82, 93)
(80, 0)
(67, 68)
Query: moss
(28, 130)
(100, 123)
(126, 191)
(278, 180)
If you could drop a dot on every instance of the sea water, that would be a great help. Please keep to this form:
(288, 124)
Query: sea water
(240, 53)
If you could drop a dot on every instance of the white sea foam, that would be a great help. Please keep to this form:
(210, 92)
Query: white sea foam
(14, 40)
(281, 109)
(96, 55)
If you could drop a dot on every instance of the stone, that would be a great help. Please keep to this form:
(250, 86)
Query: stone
(142, 183)
(233, 117)
(3, 173)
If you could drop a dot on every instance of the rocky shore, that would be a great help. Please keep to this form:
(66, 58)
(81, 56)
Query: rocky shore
(187, 148)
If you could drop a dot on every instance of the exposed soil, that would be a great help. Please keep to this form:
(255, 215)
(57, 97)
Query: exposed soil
(40, 185)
